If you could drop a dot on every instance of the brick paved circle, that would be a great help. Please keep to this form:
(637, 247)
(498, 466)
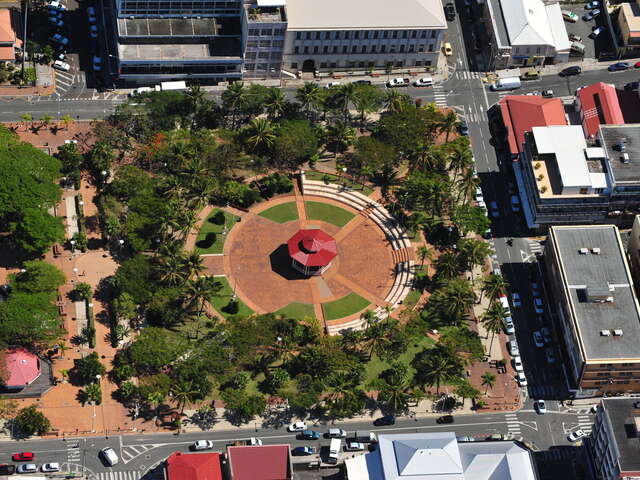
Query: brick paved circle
(256, 261)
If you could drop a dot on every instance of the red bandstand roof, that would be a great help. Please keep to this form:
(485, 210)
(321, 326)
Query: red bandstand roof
(312, 248)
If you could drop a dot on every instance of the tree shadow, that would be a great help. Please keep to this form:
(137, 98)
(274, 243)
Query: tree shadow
(78, 340)
(281, 264)
(95, 243)
(92, 223)
(104, 291)
(277, 418)
(204, 420)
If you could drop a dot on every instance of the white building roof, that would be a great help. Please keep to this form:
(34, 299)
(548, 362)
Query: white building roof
(365, 14)
(529, 22)
(568, 145)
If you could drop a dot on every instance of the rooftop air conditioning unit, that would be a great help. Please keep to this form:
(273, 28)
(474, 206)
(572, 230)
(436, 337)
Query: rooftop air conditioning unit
(605, 333)
(617, 332)
(609, 299)
(595, 250)
(583, 251)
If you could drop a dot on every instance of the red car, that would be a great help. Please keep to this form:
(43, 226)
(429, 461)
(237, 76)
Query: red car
(636, 65)
(23, 456)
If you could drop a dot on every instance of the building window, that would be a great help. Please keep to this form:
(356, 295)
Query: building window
(306, 49)
(383, 48)
(418, 63)
(254, 32)
(392, 48)
(352, 64)
(370, 64)
(315, 49)
(584, 191)
(347, 35)
(266, 33)
(323, 64)
(411, 48)
(308, 36)
(431, 48)
(356, 34)
(366, 34)
(402, 48)
(400, 64)
(354, 48)
(414, 34)
(294, 65)
(373, 48)
(360, 64)
(335, 49)
(325, 49)
(364, 49)
(427, 63)
(298, 35)
(538, 50)
(296, 50)
(385, 34)
(317, 35)
(434, 33)
(404, 34)
(375, 34)
(251, 66)
(344, 49)
(394, 34)
(333, 65)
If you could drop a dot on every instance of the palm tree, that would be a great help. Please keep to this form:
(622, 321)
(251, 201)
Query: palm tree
(467, 185)
(340, 135)
(155, 399)
(184, 393)
(449, 124)
(435, 366)
(234, 98)
(377, 336)
(262, 134)
(488, 380)
(196, 96)
(200, 291)
(493, 320)
(459, 297)
(395, 101)
(466, 390)
(424, 253)
(394, 388)
(346, 94)
(365, 102)
(45, 121)
(494, 285)
(120, 332)
(67, 120)
(369, 317)
(309, 96)
(275, 103)
(172, 271)
(460, 159)
(193, 264)
(63, 347)
(448, 265)
(474, 252)
(27, 118)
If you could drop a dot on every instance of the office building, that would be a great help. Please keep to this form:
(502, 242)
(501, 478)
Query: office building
(626, 18)
(597, 309)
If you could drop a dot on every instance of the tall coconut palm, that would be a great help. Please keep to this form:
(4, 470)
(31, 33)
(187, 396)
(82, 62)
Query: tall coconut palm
(275, 103)
(200, 291)
(424, 253)
(474, 252)
(155, 399)
(488, 380)
(27, 118)
(262, 134)
(309, 96)
(460, 159)
(347, 93)
(67, 120)
(395, 101)
(193, 264)
(340, 135)
(184, 393)
(467, 185)
(493, 320)
(435, 366)
(449, 124)
(172, 271)
(465, 390)
(448, 265)
(234, 98)
(494, 285)
(196, 96)
(459, 298)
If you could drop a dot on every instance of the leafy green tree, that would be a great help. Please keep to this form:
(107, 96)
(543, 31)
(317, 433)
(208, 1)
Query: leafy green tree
(38, 276)
(465, 390)
(464, 342)
(470, 218)
(435, 366)
(154, 349)
(88, 368)
(32, 422)
(276, 379)
(296, 142)
(395, 101)
(339, 136)
(83, 291)
(395, 389)
(29, 319)
(242, 405)
(473, 252)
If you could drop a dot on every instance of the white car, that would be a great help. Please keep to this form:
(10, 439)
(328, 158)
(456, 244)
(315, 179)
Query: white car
(493, 208)
(27, 468)
(398, 82)
(203, 445)
(509, 328)
(522, 380)
(597, 31)
(547, 93)
(336, 433)
(515, 204)
(540, 407)
(354, 447)
(141, 91)
(514, 350)
(50, 467)
(56, 4)
(297, 427)
(109, 456)
(577, 435)
(537, 339)
(71, 141)
(517, 364)
(332, 84)
(60, 65)
(479, 196)
(515, 298)
(424, 82)
(538, 305)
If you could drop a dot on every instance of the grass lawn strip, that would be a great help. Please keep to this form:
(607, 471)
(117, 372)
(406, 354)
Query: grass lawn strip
(345, 306)
(320, 176)
(328, 213)
(283, 213)
(297, 310)
(376, 366)
(224, 297)
(208, 226)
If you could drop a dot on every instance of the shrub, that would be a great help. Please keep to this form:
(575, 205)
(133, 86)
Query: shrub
(88, 368)
(219, 218)
(543, 189)
(276, 184)
(232, 307)
(30, 421)
(541, 177)
(537, 165)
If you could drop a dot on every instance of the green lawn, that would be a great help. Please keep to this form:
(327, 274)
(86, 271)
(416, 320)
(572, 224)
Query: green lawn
(332, 178)
(209, 227)
(297, 310)
(283, 213)
(347, 305)
(224, 297)
(327, 213)
(377, 366)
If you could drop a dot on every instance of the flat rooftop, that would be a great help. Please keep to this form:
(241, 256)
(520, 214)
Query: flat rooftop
(177, 27)
(621, 413)
(612, 135)
(499, 25)
(217, 49)
(606, 272)
(365, 14)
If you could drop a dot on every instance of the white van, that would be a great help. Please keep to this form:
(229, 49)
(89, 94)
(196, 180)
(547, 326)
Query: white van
(509, 83)
(424, 82)
(334, 450)
(109, 456)
(505, 304)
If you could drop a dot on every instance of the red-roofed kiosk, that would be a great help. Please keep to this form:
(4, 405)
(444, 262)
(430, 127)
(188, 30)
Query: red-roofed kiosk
(312, 251)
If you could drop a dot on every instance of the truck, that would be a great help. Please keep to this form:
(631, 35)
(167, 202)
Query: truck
(334, 450)
(248, 442)
(365, 437)
(509, 83)
(177, 86)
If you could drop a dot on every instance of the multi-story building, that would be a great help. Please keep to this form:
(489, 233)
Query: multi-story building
(226, 40)
(598, 311)
(627, 23)
(615, 439)
(524, 33)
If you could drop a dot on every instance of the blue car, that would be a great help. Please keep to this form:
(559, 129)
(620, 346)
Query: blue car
(303, 451)
(309, 435)
(618, 66)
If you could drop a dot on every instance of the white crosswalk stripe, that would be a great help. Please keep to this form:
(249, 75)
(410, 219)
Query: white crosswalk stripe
(535, 247)
(130, 452)
(585, 422)
(513, 426)
(440, 96)
(128, 475)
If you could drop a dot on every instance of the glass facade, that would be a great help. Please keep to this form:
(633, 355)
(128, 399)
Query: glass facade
(168, 8)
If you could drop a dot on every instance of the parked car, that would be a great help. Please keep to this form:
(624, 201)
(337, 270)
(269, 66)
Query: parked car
(508, 326)
(50, 467)
(597, 31)
(515, 298)
(535, 289)
(547, 93)
(447, 49)
(551, 356)
(530, 75)
(60, 39)
(538, 305)
(424, 82)
(617, 67)
(546, 334)
(513, 348)
(308, 435)
(465, 438)
(93, 31)
(569, 16)
(332, 85)
(56, 5)
(537, 339)
(141, 91)
(297, 427)
(463, 128)
(60, 65)
(493, 208)
(301, 451)
(354, 447)
(517, 364)
(575, 38)
(522, 380)
(633, 86)
(575, 436)
(384, 421)
(109, 456)
(91, 12)
(591, 5)
(398, 82)
(445, 419)
(23, 457)
(450, 12)
(540, 407)
(636, 65)
(6, 469)
(569, 71)
(336, 433)
(587, 17)
(27, 468)
(515, 204)
(202, 445)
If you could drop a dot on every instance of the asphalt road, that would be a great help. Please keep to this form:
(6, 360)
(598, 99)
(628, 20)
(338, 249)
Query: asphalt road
(140, 454)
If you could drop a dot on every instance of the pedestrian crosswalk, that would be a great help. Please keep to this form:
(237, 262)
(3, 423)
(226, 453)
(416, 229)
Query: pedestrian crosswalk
(513, 426)
(535, 247)
(64, 81)
(462, 74)
(586, 423)
(440, 96)
(130, 452)
(73, 450)
(128, 475)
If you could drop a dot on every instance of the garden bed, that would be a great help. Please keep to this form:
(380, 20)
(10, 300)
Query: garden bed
(206, 243)
(223, 298)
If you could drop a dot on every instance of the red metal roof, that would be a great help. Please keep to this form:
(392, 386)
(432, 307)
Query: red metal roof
(312, 248)
(23, 367)
(267, 462)
(520, 113)
(599, 104)
(194, 466)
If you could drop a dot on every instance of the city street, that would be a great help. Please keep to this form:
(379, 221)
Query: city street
(140, 454)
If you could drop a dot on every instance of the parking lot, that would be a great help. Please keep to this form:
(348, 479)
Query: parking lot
(593, 47)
